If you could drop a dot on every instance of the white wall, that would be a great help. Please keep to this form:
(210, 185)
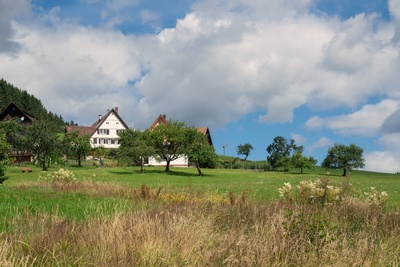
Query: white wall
(112, 124)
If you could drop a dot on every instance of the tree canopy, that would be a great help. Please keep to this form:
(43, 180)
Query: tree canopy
(169, 141)
(4, 150)
(344, 157)
(280, 152)
(76, 146)
(42, 140)
(244, 150)
(198, 150)
(134, 148)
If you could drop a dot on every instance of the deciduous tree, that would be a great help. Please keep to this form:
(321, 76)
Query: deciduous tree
(76, 146)
(344, 157)
(42, 140)
(134, 148)
(198, 150)
(168, 141)
(280, 152)
(298, 160)
(4, 150)
(244, 150)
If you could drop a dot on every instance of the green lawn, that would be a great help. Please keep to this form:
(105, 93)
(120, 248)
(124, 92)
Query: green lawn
(258, 185)
(109, 218)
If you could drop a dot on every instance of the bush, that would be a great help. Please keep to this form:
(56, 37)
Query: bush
(62, 175)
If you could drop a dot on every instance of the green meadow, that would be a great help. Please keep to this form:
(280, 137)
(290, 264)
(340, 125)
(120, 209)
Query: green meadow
(228, 217)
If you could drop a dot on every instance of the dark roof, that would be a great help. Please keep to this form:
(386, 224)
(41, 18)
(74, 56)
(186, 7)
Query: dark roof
(13, 110)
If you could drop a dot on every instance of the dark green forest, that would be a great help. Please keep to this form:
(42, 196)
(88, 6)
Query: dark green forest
(27, 102)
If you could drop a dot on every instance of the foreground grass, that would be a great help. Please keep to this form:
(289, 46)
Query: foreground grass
(119, 217)
(155, 227)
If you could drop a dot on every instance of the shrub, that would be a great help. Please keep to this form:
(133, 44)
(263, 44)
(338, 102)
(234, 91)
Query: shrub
(321, 191)
(62, 175)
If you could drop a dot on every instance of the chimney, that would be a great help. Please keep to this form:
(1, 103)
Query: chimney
(99, 117)
(164, 116)
(116, 110)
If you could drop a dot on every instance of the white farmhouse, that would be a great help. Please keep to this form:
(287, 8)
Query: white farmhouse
(103, 132)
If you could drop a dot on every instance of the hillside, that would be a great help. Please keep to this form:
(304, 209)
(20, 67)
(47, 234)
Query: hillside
(29, 103)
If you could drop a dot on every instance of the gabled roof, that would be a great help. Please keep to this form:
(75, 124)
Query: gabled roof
(82, 130)
(101, 120)
(206, 132)
(161, 119)
(12, 110)
(90, 130)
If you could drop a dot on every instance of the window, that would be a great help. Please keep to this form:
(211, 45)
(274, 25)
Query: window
(94, 140)
(109, 141)
(101, 141)
(103, 131)
(120, 131)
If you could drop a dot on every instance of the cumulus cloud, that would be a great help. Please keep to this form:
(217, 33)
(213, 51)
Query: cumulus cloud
(221, 61)
(323, 142)
(298, 138)
(315, 122)
(8, 11)
(367, 121)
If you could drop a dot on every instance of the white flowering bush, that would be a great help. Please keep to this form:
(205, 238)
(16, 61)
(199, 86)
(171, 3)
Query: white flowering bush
(62, 175)
(319, 191)
(375, 197)
(285, 192)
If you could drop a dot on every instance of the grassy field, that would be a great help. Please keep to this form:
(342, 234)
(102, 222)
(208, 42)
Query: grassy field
(229, 217)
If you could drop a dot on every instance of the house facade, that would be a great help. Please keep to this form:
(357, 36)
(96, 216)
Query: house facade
(104, 131)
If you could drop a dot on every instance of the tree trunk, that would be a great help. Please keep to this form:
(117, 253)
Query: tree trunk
(141, 166)
(167, 166)
(79, 161)
(198, 168)
(301, 169)
(344, 172)
(44, 167)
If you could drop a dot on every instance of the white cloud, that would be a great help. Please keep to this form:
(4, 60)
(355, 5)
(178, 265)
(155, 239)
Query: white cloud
(365, 122)
(323, 142)
(298, 138)
(382, 161)
(220, 62)
(315, 122)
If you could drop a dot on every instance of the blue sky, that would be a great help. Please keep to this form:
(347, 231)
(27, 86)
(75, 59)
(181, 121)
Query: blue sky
(317, 71)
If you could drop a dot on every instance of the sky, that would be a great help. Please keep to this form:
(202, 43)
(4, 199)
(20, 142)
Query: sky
(317, 71)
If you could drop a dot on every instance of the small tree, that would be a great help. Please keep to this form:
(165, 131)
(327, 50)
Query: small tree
(42, 139)
(244, 150)
(77, 146)
(298, 160)
(198, 150)
(15, 136)
(345, 157)
(4, 150)
(134, 148)
(168, 141)
(280, 152)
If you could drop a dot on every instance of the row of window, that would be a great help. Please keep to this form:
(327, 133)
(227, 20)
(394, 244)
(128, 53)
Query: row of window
(107, 131)
(104, 141)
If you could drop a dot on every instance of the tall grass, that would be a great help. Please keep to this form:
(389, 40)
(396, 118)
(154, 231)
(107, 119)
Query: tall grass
(159, 227)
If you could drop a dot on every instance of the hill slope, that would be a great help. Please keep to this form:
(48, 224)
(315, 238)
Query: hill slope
(29, 103)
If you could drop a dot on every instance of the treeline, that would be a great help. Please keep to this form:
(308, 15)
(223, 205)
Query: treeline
(27, 102)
